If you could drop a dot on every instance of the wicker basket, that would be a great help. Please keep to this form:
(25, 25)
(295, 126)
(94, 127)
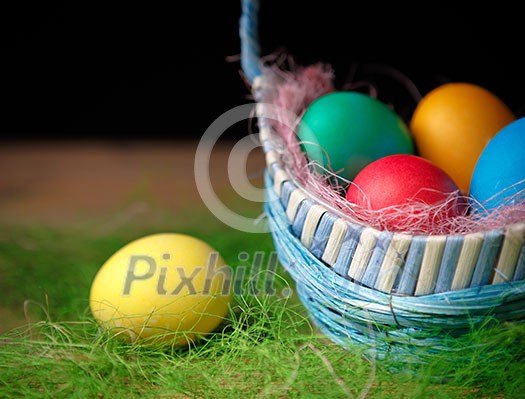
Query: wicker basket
(393, 292)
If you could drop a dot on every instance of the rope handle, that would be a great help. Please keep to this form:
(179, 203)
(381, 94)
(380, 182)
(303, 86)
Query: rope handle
(250, 47)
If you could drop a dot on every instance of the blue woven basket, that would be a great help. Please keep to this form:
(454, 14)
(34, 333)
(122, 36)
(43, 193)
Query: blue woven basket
(392, 292)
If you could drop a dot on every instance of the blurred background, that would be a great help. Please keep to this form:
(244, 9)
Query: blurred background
(103, 103)
(159, 70)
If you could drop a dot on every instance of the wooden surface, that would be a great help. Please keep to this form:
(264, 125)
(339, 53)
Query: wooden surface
(56, 182)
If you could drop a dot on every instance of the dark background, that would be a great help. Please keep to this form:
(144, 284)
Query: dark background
(154, 70)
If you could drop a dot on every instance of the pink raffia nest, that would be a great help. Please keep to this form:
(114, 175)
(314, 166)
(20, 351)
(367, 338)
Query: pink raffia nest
(290, 93)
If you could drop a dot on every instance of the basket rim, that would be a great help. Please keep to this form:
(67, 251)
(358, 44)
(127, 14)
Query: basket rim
(447, 298)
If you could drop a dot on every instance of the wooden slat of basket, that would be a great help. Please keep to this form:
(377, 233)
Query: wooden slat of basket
(410, 273)
(467, 261)
(393, 262)
(487, 259)
(286, 191)
(310, 224)
(322, 234)
(348, 247)
(432, 256)
(280, 176)
(335, 242)
(519, 273)
(449, 261)
(510, 251)
(265, 134)
(296, 198)
(362, 254)
(262, 111)
(267, 146)
(376, 259)
(271, 157)
(300, 217)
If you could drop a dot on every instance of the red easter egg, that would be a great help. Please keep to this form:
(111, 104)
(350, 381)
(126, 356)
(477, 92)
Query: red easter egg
(408, 190)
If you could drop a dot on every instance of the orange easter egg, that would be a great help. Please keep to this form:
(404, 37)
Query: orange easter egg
(453, 123)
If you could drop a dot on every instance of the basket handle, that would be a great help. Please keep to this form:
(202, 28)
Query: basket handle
(250, 47)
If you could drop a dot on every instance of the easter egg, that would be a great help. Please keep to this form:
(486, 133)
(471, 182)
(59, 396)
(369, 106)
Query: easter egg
(395, 181)
(499, 176)
(453, 123)
(344, 130)
(163, 288)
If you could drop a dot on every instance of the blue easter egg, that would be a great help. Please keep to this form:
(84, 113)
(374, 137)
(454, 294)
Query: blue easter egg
(499, 175)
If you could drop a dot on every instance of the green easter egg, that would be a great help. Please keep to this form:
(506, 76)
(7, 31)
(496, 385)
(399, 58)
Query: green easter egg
(345, 131)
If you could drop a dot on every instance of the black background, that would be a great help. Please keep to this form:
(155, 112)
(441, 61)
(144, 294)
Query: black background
(159, 70)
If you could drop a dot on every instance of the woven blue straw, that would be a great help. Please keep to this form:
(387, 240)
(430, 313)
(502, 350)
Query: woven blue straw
(389, 292)
(350, 313)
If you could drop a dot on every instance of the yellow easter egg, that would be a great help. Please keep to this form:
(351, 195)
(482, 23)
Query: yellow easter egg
(453, 123)
(166, 287)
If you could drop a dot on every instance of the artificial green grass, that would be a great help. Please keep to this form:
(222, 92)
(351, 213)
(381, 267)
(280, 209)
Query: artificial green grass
(266, 349)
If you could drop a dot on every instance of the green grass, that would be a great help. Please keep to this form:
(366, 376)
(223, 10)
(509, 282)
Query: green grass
(51, 347)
